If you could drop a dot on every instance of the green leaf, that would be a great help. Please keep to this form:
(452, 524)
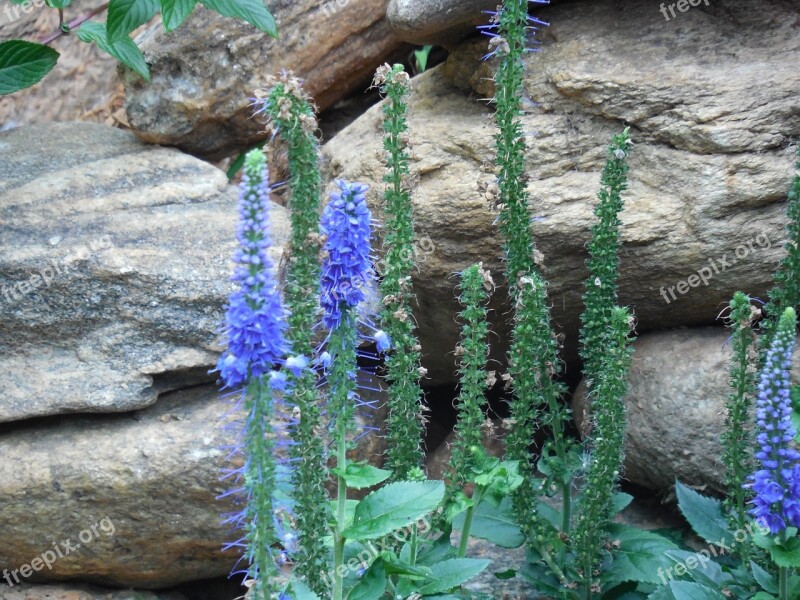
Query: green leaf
(392, 507)
(175, 12)
(640, 555)
(362, 475)
(372, 584)
(786, 555)
(763, 596)
(300, 591)
(451, 573)
(252, 11)
(620, 502)
(689, 590)
(23, 64)
(764, 578)
(126, 15)
(54, 3)
(704, 515)
(495, 524)
(124, 50)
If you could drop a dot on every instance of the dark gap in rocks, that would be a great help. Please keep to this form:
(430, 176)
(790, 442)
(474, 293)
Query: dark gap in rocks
(220, 588)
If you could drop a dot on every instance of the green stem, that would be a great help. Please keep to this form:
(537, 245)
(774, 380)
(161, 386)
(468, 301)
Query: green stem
(413, 553)
(783, 583)
(341, 505)
(462, 547)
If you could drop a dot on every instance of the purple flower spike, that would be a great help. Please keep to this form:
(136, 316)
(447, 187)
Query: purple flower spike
(776, 483)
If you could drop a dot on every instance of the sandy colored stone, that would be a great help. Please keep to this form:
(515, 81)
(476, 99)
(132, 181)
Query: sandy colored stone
(78, 592)
(204, 73)
(439, 22)
(677, 389)
(712, 116)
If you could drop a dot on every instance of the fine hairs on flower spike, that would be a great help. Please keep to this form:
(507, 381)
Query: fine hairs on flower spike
(255, 328)
(776, 484)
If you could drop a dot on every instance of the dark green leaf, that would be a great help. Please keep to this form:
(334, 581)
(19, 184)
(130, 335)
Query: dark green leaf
(252, 11)
(124, 50)
(372, 584)
(126, 15)
(763, 596)
(764, 579)
(57, 3)
(300, 591)
(495, 524)
(175, 12)
(23, 64)
(450, 573)
(621, 501)
(689, 590)
(704, 515)
(787, 554)
(362, 475)
(392, 507)
(507, 574)
(639, 556)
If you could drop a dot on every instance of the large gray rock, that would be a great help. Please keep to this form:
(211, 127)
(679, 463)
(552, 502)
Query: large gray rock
(677, 389)
(204, 73)
(439, 22)
(147, 481)
(114, 269)
(709, 172)
(73, 592)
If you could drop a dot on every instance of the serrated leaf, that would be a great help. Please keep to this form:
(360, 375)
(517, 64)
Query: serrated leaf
(175, 12)
(704, 515)
(300, 591)
(362, 475)
(371, 585)
(495, 524)
(451, 573)
(23, 64)
(787, 555)
(639, 555)
(126, 15)
(124, 50)
(253, 11)
(689, 590)
(392, 507)
(764, 578)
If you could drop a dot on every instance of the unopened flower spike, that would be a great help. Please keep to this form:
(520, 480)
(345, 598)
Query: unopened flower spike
(255, 327)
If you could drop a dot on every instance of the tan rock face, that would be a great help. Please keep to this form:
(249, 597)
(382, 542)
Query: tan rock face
(677, 389)
(436, 21)
(709, 172)
(135, 494)
(115, 266)
(72, 592)
(204, 72)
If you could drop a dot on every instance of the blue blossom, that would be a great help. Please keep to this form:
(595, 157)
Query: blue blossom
(776, 483)
(255, 322)
(382, 341)
(346, 225)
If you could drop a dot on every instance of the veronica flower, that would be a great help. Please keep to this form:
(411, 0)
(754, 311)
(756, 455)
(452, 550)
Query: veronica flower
(255, 327)
(776, 484)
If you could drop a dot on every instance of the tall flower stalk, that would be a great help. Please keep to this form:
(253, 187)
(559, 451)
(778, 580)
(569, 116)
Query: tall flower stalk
(600, 296)
(346, 228)
(605, 447)
(472, 353)
(533, 356)
(404, 425)
(255, 328)
(737, 439)
(776, 482)
(291, 115)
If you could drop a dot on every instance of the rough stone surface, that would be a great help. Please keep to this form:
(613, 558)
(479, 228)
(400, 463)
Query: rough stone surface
(129, 247)
(204, 72)
(73, 592)
(677, 388)
(709, 172)
(153, 476)
(440, 22)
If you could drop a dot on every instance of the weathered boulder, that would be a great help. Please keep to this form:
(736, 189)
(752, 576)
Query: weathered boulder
(439, 22)
(204, 73)
(677, 389)
(73, 592)
(114, 269)
(704, 212)
(130, 499)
